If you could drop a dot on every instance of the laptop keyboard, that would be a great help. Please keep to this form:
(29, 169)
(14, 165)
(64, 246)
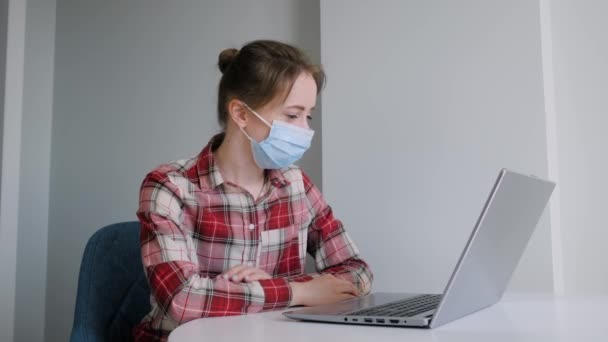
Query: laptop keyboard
(403, 308)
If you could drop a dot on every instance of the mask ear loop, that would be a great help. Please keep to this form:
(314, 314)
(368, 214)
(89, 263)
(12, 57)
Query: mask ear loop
(247, 135)
(256, 114)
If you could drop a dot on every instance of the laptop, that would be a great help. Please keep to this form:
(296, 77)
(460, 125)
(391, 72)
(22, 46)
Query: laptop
(480, 277)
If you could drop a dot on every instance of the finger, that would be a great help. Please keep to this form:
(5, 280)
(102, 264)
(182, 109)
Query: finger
(350, 289)
(346, 296)
(232, 271)
(341, 281)
(355, 291)
(240, 275)
(255, 276)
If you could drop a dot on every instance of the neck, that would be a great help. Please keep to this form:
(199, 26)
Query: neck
(235, 160)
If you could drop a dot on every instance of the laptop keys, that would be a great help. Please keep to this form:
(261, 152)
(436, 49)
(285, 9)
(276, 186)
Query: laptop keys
(404, 308)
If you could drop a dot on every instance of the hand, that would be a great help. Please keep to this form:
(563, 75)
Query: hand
(325, 289)
(246, 274)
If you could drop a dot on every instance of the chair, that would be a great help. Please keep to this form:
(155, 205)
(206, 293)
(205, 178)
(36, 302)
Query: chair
(113, 293)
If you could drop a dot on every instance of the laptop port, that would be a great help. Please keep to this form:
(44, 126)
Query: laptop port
(345, 319)
(368, 320)
(355, 319)
(380, 320)
(394, 321)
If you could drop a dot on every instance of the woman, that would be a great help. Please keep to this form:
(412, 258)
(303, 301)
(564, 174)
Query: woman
(227, 231)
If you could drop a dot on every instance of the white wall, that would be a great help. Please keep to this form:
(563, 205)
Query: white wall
(3, 27)
(11, 149)
(135, 85)
(427, 100)
(35, 169)
(580, 52)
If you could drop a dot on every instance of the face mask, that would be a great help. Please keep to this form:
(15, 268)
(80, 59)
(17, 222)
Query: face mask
(284, 145)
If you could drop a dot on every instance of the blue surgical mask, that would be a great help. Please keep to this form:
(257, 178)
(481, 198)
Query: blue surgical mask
(284, 145)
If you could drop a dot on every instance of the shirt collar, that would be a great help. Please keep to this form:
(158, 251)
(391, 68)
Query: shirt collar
(211, 177)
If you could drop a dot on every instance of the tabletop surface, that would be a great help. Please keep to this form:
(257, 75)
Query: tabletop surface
(514, 318)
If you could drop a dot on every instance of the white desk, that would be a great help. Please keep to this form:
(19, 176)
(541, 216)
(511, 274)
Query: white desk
(534, 318)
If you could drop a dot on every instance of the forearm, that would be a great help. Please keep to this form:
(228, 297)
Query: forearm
(355, 271)
(187, 295)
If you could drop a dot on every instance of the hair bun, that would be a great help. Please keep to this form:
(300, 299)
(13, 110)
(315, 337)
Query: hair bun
(226, 57)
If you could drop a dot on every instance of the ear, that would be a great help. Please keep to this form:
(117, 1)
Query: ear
(238, 112)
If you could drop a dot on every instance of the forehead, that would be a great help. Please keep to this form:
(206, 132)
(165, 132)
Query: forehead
(303, 92)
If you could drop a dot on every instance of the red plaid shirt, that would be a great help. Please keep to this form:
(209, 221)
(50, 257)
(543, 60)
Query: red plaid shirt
(195, 225)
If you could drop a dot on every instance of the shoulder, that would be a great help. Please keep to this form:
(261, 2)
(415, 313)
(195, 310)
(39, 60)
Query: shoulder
(174, 172)
(165, 188)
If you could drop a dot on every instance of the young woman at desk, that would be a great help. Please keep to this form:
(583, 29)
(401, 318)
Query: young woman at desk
(227, 231)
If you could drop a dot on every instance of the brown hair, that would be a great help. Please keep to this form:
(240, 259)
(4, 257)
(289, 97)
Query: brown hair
(260, 71)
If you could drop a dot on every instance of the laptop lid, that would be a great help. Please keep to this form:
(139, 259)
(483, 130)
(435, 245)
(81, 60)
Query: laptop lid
(495, 246)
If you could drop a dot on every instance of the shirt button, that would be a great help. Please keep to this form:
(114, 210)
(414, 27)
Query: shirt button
(251, 226)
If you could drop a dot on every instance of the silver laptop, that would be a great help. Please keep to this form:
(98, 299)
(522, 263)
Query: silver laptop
(482, 273)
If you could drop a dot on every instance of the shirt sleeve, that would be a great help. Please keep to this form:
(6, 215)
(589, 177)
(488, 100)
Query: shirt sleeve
(333, 250)
(177, 283)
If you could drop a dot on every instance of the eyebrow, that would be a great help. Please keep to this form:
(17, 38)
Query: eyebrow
(300, 107)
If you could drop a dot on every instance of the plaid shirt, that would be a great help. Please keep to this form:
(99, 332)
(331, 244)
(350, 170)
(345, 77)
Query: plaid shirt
(195, 225)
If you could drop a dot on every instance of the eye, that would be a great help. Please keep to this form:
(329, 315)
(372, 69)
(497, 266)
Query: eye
(292, 116)
(309, 117)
